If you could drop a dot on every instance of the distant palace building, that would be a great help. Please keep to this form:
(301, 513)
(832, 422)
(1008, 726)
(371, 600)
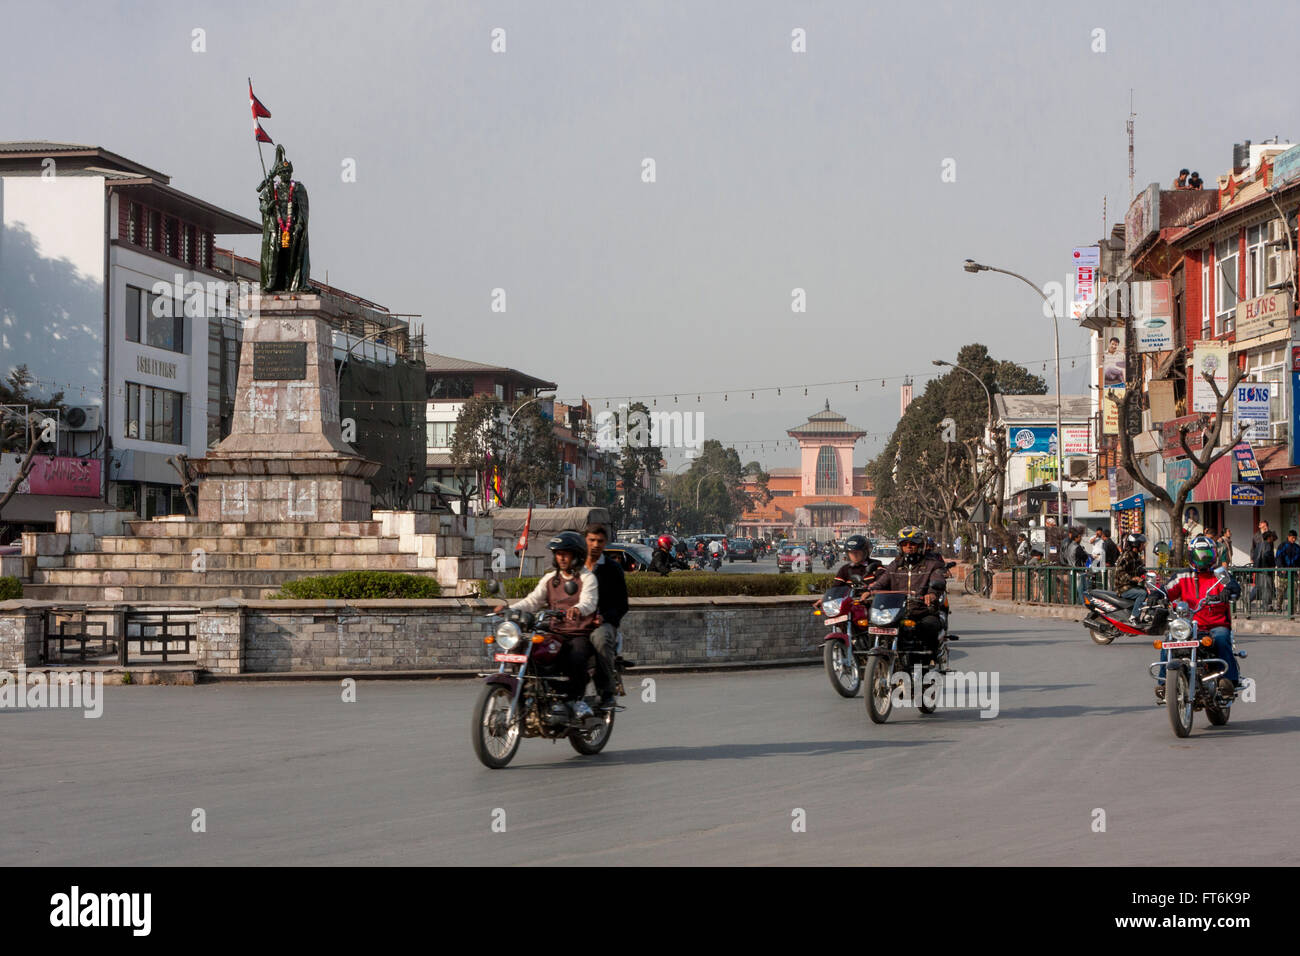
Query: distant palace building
(826, 497)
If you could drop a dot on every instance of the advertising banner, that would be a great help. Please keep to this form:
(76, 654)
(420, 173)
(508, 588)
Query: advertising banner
(1177, 473)
(1041, 440)
(1267, 313)
(1153, 315)
(1250, 401)
(1247, 467)
(1086, 261)
(1113, 368)
(1247, 494)
(1208, 358)
(73, 477)
(1110, 402)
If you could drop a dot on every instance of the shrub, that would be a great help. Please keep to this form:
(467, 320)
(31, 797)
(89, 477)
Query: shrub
(11, 589)
(688, 584)
(360, 586)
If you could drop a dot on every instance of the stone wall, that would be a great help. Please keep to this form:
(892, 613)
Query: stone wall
(20, 634)
(447, 634)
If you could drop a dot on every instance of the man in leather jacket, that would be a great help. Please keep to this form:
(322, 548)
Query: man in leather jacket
(923, 579)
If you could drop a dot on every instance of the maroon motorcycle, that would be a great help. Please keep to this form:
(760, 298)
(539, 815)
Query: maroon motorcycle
(528, 694)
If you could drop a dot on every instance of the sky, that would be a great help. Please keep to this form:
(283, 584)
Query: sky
(863, 171)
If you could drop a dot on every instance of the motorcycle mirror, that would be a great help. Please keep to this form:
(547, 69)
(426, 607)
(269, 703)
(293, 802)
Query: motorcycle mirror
(492, 586)
(570, 587)
(1221, 572)
(855, 578)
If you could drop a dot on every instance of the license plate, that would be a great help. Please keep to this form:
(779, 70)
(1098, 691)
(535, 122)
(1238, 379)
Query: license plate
(882, 630)
(837, 620)
(511, 658)
(1169, 644)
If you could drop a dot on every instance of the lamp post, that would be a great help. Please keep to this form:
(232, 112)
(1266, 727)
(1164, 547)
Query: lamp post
(972, 266)
(510, 424)
(987, 393)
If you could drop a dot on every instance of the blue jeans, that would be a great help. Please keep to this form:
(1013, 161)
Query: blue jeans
(1222, 648)
(1137, 596)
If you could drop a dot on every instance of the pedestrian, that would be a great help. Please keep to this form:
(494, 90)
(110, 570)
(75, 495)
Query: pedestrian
(1262, 556)
(1022, 548)
(1288, 556)
(1112, 549)
(1097, 548)
(1181, 181)
(1224, 546)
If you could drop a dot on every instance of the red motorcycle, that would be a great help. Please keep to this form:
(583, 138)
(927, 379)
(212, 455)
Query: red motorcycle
(845, 646)
(1108, 613)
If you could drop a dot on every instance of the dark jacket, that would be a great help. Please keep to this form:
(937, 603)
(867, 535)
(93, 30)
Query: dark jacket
(1129, 571)
(612, 599)
(1288, 556)
(1263, 555)
(661, 562)
(1112, 552)
(1074, 555)
(926, 576)
(867, 569)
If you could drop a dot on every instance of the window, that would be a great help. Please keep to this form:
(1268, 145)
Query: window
(439, 434)
(501, 392)
(135, 224)
(1256, 255)
(155, 230)
(828, 472)
(452, 386)
(155, 414)
(1270, 366)
(1225, 281)
(1205, 294)
(162, 331)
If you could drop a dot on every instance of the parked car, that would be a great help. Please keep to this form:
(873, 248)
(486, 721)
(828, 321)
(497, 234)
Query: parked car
(741, 548)
(630, 555)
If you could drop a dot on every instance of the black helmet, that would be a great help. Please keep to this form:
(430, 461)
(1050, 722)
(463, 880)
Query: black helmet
(911, 534)
(569, 541)
(858, 542)
(1135, 540)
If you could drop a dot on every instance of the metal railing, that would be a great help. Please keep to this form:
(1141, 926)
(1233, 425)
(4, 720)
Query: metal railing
(105, 636)
(1265, 592)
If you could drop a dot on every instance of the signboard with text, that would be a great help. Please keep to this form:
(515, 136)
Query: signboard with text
(1264, 314)
(1243, 457)
(1247, 494)
(1153, 315)
(1251, 404)
(1208, 358)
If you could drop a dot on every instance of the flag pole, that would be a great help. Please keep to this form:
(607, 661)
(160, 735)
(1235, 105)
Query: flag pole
(260, 157)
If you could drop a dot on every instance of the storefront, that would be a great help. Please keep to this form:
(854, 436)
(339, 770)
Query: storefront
(1130, 515)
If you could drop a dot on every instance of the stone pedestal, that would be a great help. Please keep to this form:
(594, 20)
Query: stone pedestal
(285, 459)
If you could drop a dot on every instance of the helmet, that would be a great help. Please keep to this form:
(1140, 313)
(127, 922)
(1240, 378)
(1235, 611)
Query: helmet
(569, 541)
(1135, 540)
(1202, 553)
(912, 534)
(858, 542)
(665, 541)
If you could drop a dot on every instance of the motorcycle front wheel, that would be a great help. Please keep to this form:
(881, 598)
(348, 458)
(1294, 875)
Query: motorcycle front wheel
(494, 735)
(1178, 699)
(842, 669)
(880, 701)
(593, 741)
(1218, 715)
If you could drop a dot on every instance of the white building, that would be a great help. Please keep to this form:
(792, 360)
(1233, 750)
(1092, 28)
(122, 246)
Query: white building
(108, 294)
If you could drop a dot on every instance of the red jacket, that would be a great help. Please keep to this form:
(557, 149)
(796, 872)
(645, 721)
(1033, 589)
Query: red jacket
(1194, 586)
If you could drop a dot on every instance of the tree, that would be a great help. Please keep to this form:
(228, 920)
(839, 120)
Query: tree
(21, 428)
(640, 460)
(532, 466)
(916, 474)
(478, 443)
(714, 482)
(1200, 462)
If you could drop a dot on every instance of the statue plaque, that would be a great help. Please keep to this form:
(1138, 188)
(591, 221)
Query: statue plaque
(282, 361)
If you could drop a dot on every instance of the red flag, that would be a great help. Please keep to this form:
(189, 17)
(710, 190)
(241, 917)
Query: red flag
(259, 134)
(256, 104)
(522, 546)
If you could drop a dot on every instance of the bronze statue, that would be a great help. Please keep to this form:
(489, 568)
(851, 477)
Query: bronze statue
(286, 266)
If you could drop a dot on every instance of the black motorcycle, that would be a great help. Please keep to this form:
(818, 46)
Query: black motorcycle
(526, 697)
(897, 651)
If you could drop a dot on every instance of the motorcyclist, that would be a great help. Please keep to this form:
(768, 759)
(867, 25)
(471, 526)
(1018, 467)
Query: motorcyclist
(861, 564)
(661, 562)
(715, 551)
(1215, 616)
(612, 591)
(922, 579)
(574, 630)
(1129, 572)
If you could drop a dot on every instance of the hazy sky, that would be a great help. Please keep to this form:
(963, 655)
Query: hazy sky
(775, 170)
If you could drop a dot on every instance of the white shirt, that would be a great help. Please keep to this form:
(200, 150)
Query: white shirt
(587, 600)
(715, 547)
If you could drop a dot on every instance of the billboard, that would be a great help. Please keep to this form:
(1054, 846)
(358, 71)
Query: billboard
(1212, 358)
(1250, 402)
(1086, 261)
(1041, 440)
(1142, 221)
(1153, 315)
(1113, 359)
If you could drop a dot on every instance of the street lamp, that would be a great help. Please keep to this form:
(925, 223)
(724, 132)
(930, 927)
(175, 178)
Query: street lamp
(509, 424)
(987, 393)
(972, 266)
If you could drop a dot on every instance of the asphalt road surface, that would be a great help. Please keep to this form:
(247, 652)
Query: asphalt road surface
(715, 770)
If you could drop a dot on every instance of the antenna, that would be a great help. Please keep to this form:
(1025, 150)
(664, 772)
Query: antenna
(1103, 216)
(1129, 126)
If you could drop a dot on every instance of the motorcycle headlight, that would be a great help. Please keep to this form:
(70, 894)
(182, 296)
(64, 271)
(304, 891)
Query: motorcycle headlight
(882, 615)
(1180, 630)
(832, 608)
(508, 636)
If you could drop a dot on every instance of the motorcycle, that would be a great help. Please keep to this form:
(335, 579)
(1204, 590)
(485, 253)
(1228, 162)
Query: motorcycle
(526, 696)
(828, 559)
(897, 649)
(844, 648)
(715, 561)
(1108, 612)
(1191, 681)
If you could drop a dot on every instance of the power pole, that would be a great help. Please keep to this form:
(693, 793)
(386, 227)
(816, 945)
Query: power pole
(1129, 126)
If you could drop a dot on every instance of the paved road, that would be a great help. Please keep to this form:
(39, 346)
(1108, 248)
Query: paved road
(709, 773)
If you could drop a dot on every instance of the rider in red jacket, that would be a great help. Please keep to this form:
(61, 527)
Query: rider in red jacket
(1214, 614)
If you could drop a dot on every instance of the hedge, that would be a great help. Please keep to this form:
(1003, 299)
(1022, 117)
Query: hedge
(360, 586)
(11, 589)
(689, 584)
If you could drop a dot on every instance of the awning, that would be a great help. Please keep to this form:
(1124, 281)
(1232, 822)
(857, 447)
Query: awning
(1275, 461)
(23, 509)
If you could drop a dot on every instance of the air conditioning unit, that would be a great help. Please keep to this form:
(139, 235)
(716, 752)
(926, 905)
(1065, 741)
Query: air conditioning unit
(1278, 268)
(1076, 469)
(81, 418)
(1276, 233)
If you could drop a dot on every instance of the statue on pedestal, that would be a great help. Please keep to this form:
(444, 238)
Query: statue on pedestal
(286, 265)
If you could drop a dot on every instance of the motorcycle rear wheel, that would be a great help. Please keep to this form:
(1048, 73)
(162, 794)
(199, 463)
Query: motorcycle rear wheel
(1099, 637)
(494, 745)
(1179, 699)
(844, 674)
(880, 701)
(593, 742)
